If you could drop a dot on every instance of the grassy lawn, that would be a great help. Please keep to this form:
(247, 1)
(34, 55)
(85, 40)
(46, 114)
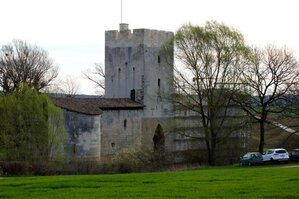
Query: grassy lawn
(279, 181)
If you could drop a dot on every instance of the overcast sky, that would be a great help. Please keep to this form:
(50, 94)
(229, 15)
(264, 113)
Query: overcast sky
(72, 31)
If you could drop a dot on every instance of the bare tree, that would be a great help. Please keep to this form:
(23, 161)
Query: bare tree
(207, 77)
(97, 76)
(21, 62)
(272, 74)
(69, 86)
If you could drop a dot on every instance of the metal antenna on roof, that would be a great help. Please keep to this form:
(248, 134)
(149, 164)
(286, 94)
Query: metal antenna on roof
(122, 26)
(121, 11)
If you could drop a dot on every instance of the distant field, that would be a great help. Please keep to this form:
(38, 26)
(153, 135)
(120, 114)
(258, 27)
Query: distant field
(279, 181)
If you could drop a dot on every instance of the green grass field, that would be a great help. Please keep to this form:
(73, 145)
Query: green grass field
(279, 181)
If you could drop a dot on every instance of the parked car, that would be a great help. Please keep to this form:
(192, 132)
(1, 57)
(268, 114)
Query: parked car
(276, 155)
(294, 155)
(251, 158)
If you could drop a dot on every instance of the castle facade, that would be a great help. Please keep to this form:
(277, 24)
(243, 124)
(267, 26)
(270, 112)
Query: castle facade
(136, 109)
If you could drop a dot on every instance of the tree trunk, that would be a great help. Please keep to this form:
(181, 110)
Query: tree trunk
(212, 158)
(262, 136)
(211, 152)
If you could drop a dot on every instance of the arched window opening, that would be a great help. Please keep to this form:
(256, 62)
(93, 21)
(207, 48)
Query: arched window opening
(159, 138)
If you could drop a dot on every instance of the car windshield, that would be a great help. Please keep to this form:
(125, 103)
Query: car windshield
(258, 154)
(247, 155)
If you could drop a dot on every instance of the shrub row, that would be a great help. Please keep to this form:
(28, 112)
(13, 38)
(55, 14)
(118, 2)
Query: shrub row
(128, 160)
(18, 168)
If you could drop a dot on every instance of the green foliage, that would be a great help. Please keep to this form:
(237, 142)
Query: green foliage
(56, 132)
(141, 158)
(29, 123)
(227, 182)
(209, 60)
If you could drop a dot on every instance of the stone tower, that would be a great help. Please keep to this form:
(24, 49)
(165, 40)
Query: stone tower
(137, 68)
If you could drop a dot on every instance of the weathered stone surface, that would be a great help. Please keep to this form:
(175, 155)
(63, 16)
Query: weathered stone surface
(84, 134)
(133, 61)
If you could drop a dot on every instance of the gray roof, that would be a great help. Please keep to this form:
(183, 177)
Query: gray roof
(94, 106)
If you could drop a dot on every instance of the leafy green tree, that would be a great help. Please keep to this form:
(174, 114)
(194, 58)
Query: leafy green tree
(56, 132)
(206, 77)
(30, 125)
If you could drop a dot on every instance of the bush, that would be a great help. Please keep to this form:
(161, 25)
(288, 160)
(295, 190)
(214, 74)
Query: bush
(40, 168)
(83, 166)
(141, 159)
(14, 168)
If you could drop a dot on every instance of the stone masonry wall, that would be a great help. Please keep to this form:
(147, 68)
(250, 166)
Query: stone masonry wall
(134, 62)
(84, 135)
(120, 129)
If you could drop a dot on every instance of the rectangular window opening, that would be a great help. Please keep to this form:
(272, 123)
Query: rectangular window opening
(125, 123)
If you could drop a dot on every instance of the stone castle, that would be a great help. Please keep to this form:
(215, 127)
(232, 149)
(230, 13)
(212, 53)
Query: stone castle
(136, 109)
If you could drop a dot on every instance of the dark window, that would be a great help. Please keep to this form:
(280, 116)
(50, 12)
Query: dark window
(159, 82)
(270, 152)
(142, 81)
(125, 123)
(281, 151)
(133, 68)
(112, 144)
(159, 59)
(74, 148)
(119, 70)
(132, 95)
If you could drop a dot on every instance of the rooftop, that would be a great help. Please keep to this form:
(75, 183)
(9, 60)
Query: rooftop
(94, 106)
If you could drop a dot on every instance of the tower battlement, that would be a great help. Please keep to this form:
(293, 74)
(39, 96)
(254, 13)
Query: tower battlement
(127, 37)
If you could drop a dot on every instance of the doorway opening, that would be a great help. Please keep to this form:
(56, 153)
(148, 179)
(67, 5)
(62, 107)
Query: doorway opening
(159, 138)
